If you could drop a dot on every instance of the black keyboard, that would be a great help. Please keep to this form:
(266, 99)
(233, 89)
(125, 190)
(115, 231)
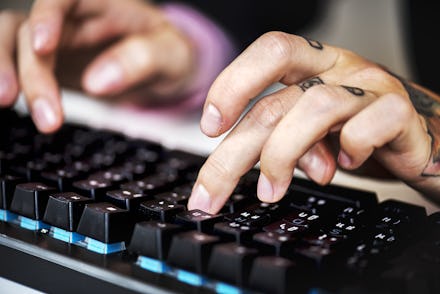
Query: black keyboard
(93, 211)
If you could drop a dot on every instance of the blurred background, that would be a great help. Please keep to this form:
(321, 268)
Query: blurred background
(374, 28)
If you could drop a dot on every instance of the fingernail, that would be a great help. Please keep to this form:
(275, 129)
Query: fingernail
(103, 77)
(343, 159)
(318, 167)
(264, 188)
(211, 120)
(200, 199)
(43, 114)
(40, 36)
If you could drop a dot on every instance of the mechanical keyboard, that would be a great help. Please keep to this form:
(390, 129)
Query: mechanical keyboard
(93, 211)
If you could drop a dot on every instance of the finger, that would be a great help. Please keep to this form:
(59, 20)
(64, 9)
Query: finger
(273, 57)
(404, 134)
(318, 163)
(137, 58)
(46, 24)
(9, 22)
(320, 110)
(240, 150)
(39, 85)
(100, 23)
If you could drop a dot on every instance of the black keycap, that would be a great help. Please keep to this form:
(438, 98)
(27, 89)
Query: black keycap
(179, 195)
(191, 251)
(63, 177)
(64, 210)
(30, 199)
(240, 233)
(126, 199)
(231, 263)
(198, 219)
(106, 222)
(347, 196)
(151, 185)
(94, 189)
(153, 239)
(237, 202)
(7, 188)
(272, 274)
(275, 244)
(160, 210)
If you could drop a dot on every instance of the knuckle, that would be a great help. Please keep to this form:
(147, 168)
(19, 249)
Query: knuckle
(401, 107)
(217, 169)
(322, 99)
(267, 112)
(351, 136)
(277, 45)
(375, 73)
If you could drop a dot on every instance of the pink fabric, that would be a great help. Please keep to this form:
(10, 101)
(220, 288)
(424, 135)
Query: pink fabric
(214, 50)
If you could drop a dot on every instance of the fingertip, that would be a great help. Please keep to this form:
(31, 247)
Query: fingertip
(200, 198)
(44, 38)
(47, 117)
(265, 191)
(345, 160)
(103, 78)
(212, 121)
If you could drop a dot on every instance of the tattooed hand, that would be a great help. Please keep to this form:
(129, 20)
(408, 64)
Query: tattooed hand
(330, 92)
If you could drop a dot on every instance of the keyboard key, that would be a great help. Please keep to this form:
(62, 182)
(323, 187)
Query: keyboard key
(231, 263)
(64, 210)
(126, 199)
(30, 199)
(275, 244)
(7, 188)
(160, 210)
(153, 238)
(106, 223)
(95, 189)
(271, 274)
(199, 220)
(191, 251)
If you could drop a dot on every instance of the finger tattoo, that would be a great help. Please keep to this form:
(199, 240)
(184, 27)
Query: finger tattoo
(313, 43)
(310, 83)
(354, 90)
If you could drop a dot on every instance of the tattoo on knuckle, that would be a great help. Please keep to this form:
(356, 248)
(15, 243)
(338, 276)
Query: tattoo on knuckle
(313, 43)
(310, 83)
(354, 90)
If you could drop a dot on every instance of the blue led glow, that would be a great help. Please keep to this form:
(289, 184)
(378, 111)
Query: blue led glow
(66, 236)
(190, 278)
(7, 216)
(223, 288)
(31, 224)
(152, 265)
(104, 248)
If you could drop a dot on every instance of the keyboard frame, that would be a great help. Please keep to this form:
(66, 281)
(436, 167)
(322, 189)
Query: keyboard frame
(28, 257)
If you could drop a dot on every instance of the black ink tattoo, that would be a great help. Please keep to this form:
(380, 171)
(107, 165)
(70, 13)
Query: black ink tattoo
(310, 83)
(354, 90)
(428, 107)
(315, 44)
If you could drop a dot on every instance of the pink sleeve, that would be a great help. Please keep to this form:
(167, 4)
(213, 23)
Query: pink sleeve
(214, 50)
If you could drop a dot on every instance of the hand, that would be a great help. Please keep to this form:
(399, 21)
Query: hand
(127, 47)
(330, 93)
